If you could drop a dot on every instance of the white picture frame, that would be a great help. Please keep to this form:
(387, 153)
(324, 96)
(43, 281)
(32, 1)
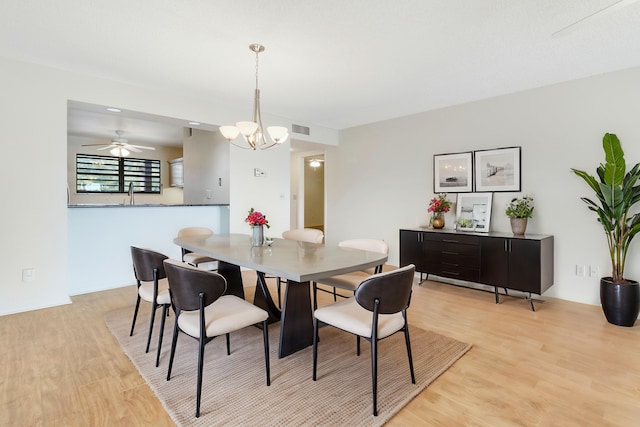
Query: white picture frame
(477, 208)
(453, 173)
(497, 170)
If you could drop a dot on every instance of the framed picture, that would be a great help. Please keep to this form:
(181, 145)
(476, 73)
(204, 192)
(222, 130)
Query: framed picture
(453, 173)
(497, 170)
(475, 207)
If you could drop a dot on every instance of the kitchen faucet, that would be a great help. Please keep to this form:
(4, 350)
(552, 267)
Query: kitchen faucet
(131, 193)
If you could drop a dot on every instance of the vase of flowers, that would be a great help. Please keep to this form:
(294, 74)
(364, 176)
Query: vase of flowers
(438, 206)
(519, 210)
(257, 220)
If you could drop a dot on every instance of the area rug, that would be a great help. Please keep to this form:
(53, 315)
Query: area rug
(234, 390)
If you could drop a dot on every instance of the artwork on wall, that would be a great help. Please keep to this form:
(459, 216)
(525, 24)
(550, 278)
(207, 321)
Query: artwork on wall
(475, 207)
(453, 173)
(497, 170)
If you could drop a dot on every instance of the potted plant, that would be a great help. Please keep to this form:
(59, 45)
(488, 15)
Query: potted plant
(617, 192)
(519, 210)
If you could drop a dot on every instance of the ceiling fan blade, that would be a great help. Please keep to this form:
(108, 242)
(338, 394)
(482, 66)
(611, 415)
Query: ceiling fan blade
(132, 148)
(93, 145)
(144, 147)
(106, 147)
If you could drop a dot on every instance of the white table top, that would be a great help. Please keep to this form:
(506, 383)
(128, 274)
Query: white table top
(291, 260)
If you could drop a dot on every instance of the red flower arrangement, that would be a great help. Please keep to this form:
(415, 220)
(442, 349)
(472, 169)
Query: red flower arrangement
(439, 204)
(256, 218)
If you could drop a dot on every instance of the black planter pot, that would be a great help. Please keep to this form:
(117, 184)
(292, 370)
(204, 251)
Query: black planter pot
(620, 301)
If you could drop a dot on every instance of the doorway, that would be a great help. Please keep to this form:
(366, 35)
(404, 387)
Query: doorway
(313, 192)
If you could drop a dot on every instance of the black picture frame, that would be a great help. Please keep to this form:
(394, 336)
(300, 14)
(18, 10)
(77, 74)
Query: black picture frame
(498, 170)
(453, 172)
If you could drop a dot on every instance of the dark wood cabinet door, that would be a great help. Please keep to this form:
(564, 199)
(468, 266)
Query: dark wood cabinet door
(524, 265)
(494, 262)
(412, 250)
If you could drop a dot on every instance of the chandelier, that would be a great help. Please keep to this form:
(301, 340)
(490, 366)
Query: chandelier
(253, 132)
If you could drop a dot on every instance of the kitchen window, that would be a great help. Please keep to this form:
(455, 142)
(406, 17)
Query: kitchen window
(107, 174)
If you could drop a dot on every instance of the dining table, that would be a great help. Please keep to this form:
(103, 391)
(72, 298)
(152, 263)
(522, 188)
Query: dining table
(298, 263)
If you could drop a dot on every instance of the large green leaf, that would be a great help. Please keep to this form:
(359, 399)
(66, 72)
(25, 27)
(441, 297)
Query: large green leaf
(614, 169)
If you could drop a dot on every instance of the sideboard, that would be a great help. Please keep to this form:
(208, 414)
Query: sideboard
(502, 260)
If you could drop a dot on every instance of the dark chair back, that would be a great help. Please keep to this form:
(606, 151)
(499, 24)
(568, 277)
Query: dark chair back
(145, 261)
(392, 289)
(186, 283)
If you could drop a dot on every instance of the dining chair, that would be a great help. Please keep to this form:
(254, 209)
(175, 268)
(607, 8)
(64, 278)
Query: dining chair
(203, 312)
(153, 287)
(350, 281)
(196, 259)
(311, 235)
(378, 310)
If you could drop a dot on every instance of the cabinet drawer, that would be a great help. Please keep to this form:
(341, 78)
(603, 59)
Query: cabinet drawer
(452, 238)
(456, 272)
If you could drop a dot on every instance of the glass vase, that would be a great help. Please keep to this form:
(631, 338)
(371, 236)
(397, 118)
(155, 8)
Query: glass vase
(437, 220)
(257, 235)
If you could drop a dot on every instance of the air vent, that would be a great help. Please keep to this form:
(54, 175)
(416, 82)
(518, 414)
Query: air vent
(303, 130)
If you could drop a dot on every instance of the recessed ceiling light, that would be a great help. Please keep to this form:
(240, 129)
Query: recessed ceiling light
(114, 110)
(194, 123)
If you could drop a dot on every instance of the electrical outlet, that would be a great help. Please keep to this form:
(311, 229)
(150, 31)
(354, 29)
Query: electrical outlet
(581, 271)
(594, 271)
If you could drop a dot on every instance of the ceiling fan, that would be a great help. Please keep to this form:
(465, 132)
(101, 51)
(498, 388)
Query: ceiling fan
(120, 146)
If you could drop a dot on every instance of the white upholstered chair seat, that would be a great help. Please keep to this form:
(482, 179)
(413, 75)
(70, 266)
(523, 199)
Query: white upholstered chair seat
(310, 235)
(197, 259)
(349, 281)
(349, 316)
(227, 314)
(146, 291)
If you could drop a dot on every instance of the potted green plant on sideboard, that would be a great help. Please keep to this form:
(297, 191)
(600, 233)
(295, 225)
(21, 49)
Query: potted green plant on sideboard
(519, 210)
(617, 192)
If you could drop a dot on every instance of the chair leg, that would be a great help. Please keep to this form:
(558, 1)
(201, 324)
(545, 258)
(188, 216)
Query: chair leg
(265, 333)
(335, 295)
(358, 345)
(164, 316)
(374, 374)
(135, 315)
(279, 297)
(228, 344)
(315, 348)
(174, 343)
(408, 341)
(315, 296)
(202, 341)
(154, 306)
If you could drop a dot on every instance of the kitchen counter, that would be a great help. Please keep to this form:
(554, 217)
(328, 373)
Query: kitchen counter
(142, 205)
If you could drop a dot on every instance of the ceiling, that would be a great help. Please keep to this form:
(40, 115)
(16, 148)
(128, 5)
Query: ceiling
(334, 63)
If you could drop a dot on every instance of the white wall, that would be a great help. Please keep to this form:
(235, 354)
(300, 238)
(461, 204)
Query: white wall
(206, 167)
(33, 107)
(381, 177)
(378, 180)
(100, 239)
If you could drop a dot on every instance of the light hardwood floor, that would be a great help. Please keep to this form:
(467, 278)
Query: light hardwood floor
(562, 365)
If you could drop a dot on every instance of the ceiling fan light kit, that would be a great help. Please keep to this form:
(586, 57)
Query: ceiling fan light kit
(253, 132)
(120, 146)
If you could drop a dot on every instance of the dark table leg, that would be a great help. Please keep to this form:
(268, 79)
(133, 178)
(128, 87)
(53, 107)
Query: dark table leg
(231, 272)
(296, 322)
